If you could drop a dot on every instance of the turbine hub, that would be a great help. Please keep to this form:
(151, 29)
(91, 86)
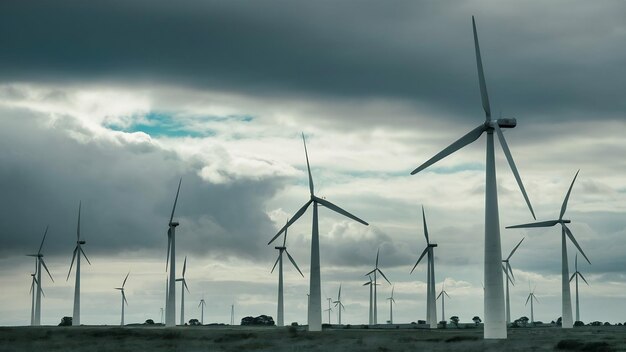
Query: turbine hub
(432, 245)
(81, 242)
(281, 248)
(566, 221)
(174, 223)
(507, 123)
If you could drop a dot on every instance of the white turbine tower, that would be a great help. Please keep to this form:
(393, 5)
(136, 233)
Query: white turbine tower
(371, 310)
(443, 294)
(39, 262)
(495, 323)
(375, 271)
(566, 301)
(78, 252)
(508, 270)
(339, 306)
(531, 297)
(183, 286)
(124, 301)
(391, 303)
(170, 302)
(201, 305)
(280, 321)
(431, 307)
(315, 304)
(577, 274)
(33, 293)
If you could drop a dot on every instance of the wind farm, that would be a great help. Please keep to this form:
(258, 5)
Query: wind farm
(229, 96)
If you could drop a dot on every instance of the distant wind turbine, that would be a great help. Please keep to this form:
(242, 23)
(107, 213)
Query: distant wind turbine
(339, 305)
(232, 314)
(531, 297)
(431, 307)
(375, 271)
(370, 283)
(201, 305)
(183, 286)
(39, 262)
(170, 303)
(329, 310)
(495, 323)
(577, 274)
(566, 301)
(508, 270)
(443, 294)
(315, 303)
(280, 321)
(78, 252)
(391, 303)
(124, 301)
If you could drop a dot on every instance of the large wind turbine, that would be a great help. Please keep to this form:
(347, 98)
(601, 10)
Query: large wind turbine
(183, 286)
(531, 297)
(201, 305)
(495, 323)
(508, 270)
(443, 294)
(170, 302)
(339, 305)
(431, 307)
(329, 310)
(566, 301)
(315, 304)
(281, 309)
(39, 262)
(577, 274)
(124, 301)
(78, 252)
(375, 271)
(391, 303)
(371, 310)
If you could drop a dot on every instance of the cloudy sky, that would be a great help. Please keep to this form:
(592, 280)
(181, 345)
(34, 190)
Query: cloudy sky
(111, 103)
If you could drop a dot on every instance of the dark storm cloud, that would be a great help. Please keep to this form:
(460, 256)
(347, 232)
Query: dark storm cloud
(127, 193)
(540, 61)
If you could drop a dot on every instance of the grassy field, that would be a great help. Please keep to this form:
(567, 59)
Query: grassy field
(237, 338)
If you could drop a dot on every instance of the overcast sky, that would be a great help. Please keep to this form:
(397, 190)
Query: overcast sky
(112, 103)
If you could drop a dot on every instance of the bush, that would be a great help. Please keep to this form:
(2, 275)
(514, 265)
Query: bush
(295, 323)
(579, 323)
(420, 322)
(606, 323)
(595, 323)
(265, 320)
(149, 322)
(66, 321)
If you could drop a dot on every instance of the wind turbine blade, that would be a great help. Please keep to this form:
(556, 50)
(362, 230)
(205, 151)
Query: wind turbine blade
(126, 278)
(184, 266)
(582, 277)
(339, 294)
(367, 283)
(573, 276)
(576, 262)
(439, 295)
(337, 209)
(535, 297)
(564, 206)
(529, 295)
(508, 267)
(509, 158)
(169, 245)
(46, 267)
(274, 267)
(72, 263)
(371, 272)
(381, 273)
(85, 255)
(124, 296)
(425, 227)
(285, 237)
(199, 304)
(293, 219)
(377, 253)
(460, 143)
(175, 201)
(308, 167)
(481, 74)
(446, 293)
(44, 238)
(420, 258)
(392, 288)
(293, 262)
(571, 237)
(514, 249)
(185, 284)
(535, 224)
(80, 203)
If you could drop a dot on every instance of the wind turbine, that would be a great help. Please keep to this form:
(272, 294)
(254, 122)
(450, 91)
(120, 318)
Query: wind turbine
(576, 274)
(39, 262)
(329, 310)
(507, 269)
(315, 304)
(566, 301)
(78, 252)
(281, 309)
(375, 271)
(121, 289)
(495, 324)
(371, 310)
(34, 284)
(431, 307)
(201, 305)
(339, 305)
(391, 303)
(443, 294)
(170, 302)
(531, 297)
(183, 286)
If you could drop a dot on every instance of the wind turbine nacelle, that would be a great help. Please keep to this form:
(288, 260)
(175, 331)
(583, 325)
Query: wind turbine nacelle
(432, 245)
(507, 123)
(81, 242)
(281, 248)
(174, 223)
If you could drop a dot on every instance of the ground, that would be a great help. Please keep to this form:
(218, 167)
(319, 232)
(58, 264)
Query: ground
(238, 338)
